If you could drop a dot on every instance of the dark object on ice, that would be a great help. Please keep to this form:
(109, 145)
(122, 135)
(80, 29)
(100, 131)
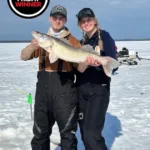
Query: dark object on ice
(114, 70)
(124, 52)
(131, 62)
(124, 57)
(139, 58)
(129, 57)
(128, 62)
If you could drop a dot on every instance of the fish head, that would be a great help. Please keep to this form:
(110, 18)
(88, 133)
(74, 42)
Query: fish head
(43, 40)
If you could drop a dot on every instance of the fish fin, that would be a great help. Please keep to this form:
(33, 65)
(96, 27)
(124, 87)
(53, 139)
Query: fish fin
(89, 48)
(97, 49)
(48, 49)
(52, 57)
(108, 65)
(65, 41)
(107, 70)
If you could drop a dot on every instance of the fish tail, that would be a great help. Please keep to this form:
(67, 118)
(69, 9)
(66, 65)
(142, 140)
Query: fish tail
(108, 65)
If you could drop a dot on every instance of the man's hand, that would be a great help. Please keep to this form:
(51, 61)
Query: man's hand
(35, 44)
(92, 62)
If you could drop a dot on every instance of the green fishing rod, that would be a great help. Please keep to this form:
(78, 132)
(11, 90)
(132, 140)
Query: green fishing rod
(29, 99)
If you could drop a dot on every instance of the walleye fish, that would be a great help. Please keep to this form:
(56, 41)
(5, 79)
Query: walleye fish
(62, 49)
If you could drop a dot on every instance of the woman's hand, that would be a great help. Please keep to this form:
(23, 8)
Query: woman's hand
(92, 62)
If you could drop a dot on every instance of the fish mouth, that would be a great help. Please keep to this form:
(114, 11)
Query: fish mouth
(35, 34)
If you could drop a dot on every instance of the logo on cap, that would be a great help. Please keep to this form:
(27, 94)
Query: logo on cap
(59, 8)
(28, 8)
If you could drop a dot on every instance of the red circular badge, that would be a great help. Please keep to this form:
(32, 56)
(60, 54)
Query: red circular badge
(28, 8)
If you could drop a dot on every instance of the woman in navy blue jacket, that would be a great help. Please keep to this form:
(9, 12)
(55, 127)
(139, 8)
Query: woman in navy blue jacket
(93, 86)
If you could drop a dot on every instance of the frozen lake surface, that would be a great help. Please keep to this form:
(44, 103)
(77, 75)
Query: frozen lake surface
(127, 124)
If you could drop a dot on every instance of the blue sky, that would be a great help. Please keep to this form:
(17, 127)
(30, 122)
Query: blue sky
(123, 19)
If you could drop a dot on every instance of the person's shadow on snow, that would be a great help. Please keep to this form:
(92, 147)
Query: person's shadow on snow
(112, 129)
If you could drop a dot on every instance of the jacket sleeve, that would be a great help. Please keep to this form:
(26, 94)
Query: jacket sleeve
(29, 52)
(109, 45)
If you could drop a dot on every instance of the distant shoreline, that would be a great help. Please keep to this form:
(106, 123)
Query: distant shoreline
(28, 41)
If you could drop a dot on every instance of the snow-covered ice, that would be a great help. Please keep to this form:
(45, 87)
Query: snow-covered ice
(127, 124)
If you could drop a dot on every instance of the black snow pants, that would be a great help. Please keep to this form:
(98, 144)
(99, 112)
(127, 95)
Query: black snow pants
(55, 100)
(93, 104)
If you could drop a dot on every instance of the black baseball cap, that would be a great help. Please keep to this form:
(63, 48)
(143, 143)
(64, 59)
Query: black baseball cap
(58, 10)
(85, 12)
